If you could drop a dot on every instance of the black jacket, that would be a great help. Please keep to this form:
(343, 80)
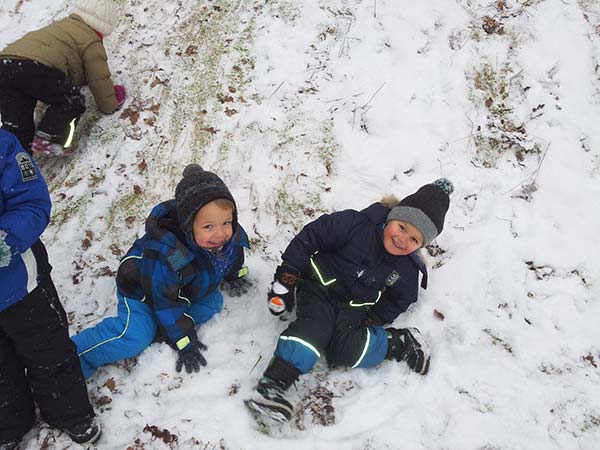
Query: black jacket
(348, 246)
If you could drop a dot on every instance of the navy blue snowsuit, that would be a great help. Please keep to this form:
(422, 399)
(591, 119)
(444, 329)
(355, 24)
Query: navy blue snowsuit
(347, 276)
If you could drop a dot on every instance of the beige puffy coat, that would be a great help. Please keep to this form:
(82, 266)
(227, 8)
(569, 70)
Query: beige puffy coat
(74, 48)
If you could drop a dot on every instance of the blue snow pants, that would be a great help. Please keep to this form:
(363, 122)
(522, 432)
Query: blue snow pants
(325, 324)
(131, 331)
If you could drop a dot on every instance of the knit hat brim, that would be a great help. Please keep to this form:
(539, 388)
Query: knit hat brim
(416, 218)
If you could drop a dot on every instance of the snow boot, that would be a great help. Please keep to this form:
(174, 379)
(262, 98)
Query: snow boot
(85, 432)
(408, 344)
(270, 400)
(46, 144)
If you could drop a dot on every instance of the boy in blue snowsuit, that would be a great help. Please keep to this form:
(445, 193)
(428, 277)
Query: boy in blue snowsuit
(168, 282)
(38, 362)
(350, 273)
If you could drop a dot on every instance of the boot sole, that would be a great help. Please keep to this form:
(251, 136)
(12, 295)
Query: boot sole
(271, 409)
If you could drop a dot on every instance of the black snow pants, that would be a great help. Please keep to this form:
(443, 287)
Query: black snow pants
(39, 363)
(327, 322)
(22, 83)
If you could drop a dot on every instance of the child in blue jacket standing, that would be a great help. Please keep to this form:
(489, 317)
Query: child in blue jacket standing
(38, 362)
(168, 282)
(350, 273)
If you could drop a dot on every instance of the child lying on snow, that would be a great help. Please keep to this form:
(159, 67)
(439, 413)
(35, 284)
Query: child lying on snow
(48, 65)
(38, 361)
(351, 272)
(169, 279)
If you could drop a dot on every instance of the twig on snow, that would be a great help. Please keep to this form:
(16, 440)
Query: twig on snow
(533, 175)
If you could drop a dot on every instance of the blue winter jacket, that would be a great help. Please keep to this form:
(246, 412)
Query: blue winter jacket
(169, 273)
(347, 246)
(24, 214)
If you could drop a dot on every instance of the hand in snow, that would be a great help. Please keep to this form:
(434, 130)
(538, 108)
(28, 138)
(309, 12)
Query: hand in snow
(190, 356)
(236, 288)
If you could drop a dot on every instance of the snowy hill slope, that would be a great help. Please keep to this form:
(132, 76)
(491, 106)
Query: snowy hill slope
(311, 106)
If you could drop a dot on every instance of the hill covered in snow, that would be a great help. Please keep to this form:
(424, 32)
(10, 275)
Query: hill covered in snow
(305, 107)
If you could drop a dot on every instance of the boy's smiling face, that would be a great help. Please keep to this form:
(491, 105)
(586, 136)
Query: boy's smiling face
(213, 226)
(401, 238)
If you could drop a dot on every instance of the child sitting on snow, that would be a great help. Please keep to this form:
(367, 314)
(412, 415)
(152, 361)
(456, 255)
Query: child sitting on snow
(38, 361)
(169, 279)
(351, 272)
(48, 65)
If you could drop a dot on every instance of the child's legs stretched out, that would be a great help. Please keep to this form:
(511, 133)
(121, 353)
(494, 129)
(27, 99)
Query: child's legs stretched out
(206, 308)
(116, 338)
(304, 340)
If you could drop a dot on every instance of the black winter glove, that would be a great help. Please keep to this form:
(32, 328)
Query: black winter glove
(236, 288)
(287, 276)
(190, 356)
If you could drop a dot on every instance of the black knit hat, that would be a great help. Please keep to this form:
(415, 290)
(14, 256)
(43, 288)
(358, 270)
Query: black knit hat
(425, 209)
(197, 188)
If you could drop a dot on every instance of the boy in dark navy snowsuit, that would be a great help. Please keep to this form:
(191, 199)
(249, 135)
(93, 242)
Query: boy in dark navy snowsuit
(38, 362)
(168, 282)
(350, 273)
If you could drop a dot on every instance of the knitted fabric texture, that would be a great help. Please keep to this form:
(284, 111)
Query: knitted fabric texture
(197, 188)
(425, 209)
(101, 15)
(5, 252)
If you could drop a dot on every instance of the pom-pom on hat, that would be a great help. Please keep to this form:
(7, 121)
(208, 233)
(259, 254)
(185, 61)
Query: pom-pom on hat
(101, 15)
(425, 209)
(197, 188)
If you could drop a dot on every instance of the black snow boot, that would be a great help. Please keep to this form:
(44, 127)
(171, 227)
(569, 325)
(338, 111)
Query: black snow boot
(270, 398)
(408, 344)
(85, 432)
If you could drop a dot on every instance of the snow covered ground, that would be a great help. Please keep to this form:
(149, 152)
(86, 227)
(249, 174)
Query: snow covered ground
(312, 106)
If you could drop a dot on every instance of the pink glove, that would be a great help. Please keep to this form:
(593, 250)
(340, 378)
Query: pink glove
(120, 93)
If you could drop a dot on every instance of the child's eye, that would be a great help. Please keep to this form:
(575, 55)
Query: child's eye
(208, 227)
(229, 222)
(402, 227)
(415, 240)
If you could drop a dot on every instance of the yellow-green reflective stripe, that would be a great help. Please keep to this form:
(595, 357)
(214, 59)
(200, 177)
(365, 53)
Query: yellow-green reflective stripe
(183, 342)
(115, 337)
(366, 303)
(323, 282)
(242, 272)
(306, 344)
(71, 133)
(364, 352)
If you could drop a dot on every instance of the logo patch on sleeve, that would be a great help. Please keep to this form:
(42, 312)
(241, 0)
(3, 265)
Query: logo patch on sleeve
(392, 278)
(26, 167)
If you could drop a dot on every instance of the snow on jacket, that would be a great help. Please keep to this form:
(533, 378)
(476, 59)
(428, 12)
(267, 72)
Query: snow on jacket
(74, 48)
(169, 273)
(348, 246)
(24, 214)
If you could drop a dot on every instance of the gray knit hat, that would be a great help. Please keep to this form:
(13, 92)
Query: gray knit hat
(101, 15)
(425, 209)
(197, 188)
